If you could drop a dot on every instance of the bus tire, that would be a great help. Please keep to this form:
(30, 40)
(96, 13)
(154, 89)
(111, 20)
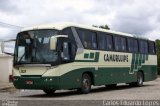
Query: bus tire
(85, 84)
(49, 91)
(140, 79)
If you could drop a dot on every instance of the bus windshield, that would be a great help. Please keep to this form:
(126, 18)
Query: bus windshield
(34, 47)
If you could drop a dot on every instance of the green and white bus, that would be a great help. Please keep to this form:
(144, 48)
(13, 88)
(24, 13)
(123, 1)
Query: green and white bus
(72, 56)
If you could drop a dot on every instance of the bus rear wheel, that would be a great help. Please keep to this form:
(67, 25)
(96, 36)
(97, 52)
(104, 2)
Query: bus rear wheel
(49, 91)
(85, 84)
(140, 79)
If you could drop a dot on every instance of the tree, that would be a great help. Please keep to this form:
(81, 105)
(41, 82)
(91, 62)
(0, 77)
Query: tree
(102, 26)
(158, 54)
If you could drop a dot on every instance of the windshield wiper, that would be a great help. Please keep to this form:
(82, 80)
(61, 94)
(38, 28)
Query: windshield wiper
(22, 57)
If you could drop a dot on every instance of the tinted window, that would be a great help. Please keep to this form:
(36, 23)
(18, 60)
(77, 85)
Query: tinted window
(151, 48)
(132, 45)
(94, 40)
(135, 47)
(123, 43)
(81, 34)
(102, 42)
(105, 42)
(120, 43)
(68, 32)
(117, 44)
(143, 46)
(88, 38)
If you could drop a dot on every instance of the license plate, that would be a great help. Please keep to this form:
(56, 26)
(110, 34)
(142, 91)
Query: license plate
(29, 82)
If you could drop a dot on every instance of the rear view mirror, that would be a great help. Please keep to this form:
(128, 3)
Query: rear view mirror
(53, 43)
(7, 47)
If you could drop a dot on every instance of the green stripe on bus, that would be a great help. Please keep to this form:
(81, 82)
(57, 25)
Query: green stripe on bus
(86, 55)
(143, 58)
(146, 57)
(91, 55)
(136, 61)
(140, 59)
(132, 63)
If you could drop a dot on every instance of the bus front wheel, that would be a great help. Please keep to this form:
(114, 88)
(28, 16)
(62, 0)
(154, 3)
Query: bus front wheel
(49, 92)
(85, 84)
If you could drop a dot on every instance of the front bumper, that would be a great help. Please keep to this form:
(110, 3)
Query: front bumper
(39, 82)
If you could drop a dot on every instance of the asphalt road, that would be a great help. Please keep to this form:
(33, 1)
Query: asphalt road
(98, 95)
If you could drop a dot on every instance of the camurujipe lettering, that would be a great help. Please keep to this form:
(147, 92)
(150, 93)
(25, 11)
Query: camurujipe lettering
(115, 58)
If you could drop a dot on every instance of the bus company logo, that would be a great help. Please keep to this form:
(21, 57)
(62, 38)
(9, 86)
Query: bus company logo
(115, 58)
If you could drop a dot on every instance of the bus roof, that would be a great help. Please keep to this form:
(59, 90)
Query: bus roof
(60, 26)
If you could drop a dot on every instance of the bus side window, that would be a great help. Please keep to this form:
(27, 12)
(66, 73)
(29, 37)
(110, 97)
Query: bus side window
(105, 41)
(91, 39)
(88, 38)
(130, 43)
(81, 34)
(109, 42)
(135, 46)
(123, 42)
(120, 43)
(94, 40)
(151, 48)
(68, 31)
(117, 43)
(143, 45)
(102, 41)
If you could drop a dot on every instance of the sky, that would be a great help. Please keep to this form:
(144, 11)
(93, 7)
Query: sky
(138, 17)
